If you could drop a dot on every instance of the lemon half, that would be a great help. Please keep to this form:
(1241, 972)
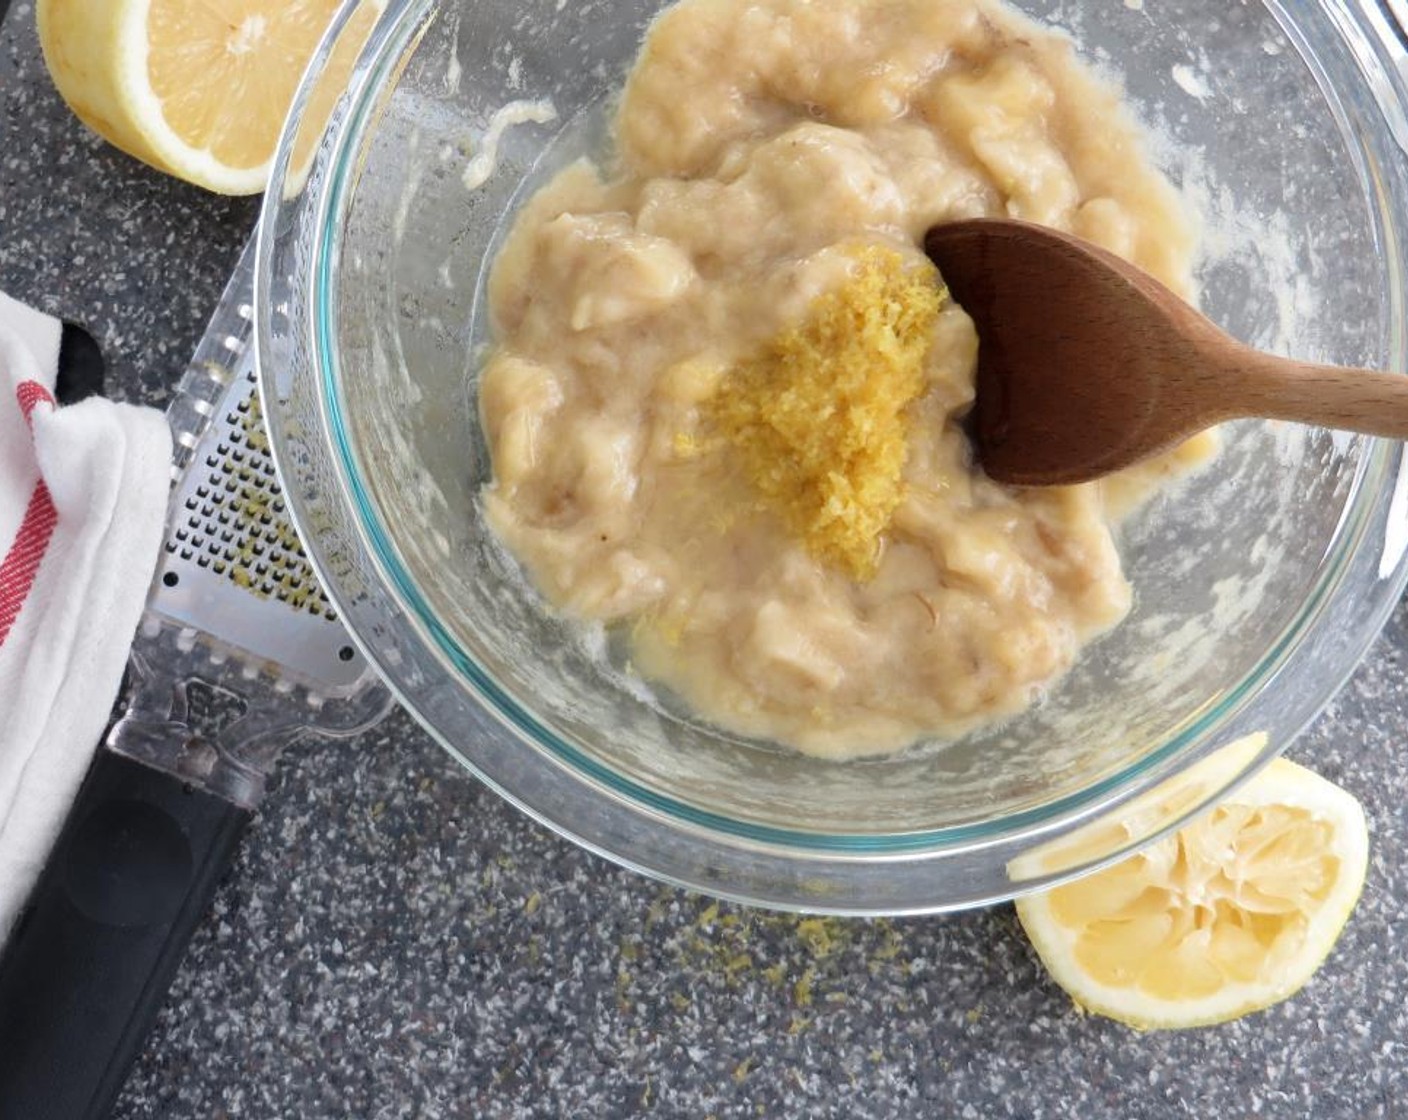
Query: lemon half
(1228, 916)
(196, 88)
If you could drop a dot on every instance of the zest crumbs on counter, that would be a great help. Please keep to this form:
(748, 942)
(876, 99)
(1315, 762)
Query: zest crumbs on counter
(818, 415)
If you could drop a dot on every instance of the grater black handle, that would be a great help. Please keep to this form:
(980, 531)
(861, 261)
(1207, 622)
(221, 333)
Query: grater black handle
(89, 963)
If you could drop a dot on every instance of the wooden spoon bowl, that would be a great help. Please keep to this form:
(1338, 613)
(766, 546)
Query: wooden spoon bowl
(1087, 365)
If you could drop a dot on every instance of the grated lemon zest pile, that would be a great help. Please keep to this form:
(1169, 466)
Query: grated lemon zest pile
(818, 416)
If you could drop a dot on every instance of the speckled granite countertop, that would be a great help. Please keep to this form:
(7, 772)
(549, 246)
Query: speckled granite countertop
(394, 941)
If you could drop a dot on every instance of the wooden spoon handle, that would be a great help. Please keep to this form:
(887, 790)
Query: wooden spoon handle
(1360, 400)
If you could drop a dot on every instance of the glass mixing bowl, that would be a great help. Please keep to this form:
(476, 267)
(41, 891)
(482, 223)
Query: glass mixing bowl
(1259, 583)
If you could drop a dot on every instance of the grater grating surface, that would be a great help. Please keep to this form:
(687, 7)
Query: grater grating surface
(232, 518)
(233, 566)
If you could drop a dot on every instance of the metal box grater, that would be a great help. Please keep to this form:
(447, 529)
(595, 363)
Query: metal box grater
(235, 606)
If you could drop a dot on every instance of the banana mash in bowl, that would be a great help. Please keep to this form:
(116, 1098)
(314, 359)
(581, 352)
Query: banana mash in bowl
(623, 417)
(725, 408)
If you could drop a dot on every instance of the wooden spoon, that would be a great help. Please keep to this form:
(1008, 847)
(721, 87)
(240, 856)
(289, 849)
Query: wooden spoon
(1087, 365)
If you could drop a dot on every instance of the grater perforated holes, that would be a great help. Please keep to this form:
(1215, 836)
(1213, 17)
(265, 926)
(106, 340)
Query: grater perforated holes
(236, 522)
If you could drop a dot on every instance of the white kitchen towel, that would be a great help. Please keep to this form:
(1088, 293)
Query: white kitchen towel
(83, 494)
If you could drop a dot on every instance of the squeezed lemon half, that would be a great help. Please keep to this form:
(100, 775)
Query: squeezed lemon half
(1230, 915)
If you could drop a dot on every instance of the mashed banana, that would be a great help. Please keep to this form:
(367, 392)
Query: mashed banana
(766, 150)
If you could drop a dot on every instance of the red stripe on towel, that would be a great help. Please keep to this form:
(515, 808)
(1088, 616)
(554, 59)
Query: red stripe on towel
(21, 563)
(26, 554)
(31, 393)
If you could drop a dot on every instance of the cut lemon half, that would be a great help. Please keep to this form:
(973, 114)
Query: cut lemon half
(196, 88)
(1230, 915)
